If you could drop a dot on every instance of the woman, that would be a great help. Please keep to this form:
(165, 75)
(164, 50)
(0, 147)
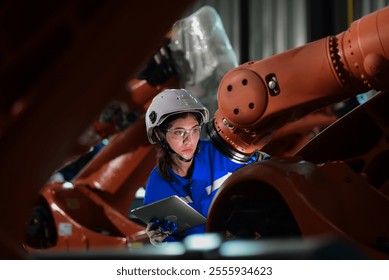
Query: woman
(188, 167)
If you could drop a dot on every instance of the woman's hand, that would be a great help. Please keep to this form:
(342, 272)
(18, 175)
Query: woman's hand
(157, 230)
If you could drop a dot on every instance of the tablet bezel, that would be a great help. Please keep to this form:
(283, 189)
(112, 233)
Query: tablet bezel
(173, 208)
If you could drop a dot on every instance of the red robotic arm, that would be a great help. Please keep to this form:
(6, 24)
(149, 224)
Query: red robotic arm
(337, 184)
(256, 98)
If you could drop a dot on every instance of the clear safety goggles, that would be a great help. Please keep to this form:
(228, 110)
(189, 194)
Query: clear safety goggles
(182, 133)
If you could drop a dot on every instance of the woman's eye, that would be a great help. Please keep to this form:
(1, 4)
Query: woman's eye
(179, 132)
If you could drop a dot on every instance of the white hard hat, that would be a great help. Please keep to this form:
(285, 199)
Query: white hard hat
(170, 102)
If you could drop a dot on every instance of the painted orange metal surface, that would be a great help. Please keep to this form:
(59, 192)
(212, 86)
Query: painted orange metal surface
(321, 190)
(335, 185)
(256, 98)
(62, 68)
(306, 200)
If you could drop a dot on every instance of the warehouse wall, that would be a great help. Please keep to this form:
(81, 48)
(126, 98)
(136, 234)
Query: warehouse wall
(260, 28)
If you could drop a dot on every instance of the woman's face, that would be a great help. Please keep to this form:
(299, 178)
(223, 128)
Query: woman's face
(183, 136)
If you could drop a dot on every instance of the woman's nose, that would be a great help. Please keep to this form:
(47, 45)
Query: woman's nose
(188, 138)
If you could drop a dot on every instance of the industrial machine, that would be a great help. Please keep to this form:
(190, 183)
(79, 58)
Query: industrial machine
(87, 208)
(334, 186)
(337, 183)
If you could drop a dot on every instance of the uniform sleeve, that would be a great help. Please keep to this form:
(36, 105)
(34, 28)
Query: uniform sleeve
(217, 159)
(154, 188)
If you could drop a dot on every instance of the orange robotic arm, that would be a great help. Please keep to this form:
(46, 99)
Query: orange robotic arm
(258, 97)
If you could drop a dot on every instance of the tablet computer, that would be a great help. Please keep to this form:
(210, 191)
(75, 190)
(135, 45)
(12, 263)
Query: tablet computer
(171, 208)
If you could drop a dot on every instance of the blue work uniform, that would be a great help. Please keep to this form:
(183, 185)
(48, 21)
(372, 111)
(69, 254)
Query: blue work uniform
(211, 169)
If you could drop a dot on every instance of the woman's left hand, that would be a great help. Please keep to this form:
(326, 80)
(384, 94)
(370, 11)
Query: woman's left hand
(157, 230)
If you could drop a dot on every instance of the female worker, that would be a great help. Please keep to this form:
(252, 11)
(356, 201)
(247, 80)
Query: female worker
(188, 167)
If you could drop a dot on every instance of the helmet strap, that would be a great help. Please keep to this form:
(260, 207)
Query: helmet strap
(167, 147)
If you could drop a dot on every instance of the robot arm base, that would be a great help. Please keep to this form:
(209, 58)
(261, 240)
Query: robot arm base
(224, 147)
